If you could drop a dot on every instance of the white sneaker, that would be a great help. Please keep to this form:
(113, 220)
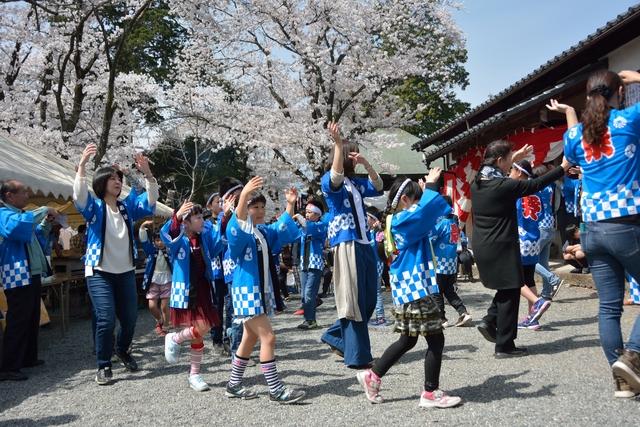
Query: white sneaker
(445, 324)
(171, 348)
(197, 383)
(438, 399)
(464, 320)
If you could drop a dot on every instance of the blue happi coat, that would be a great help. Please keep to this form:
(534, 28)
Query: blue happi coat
(16, 231)
(133, 207)
(445, 245)
(316, 234)
(180, 254)
(611, 169)
(152, 253)
(343, 224)
(246, 291)
(530, 213)
(412, 272)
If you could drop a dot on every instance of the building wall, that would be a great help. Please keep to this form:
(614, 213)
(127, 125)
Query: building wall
(626, 57)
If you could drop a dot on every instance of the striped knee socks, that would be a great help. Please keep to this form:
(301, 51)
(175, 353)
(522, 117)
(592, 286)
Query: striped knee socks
(187, 334)
(270, 373)
(238, 366)
(196, 358)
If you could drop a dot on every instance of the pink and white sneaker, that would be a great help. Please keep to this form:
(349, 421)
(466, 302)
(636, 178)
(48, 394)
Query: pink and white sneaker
(438, 399)
(371, 385)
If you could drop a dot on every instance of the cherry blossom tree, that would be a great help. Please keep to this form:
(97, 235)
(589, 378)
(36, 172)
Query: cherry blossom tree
(295, 65)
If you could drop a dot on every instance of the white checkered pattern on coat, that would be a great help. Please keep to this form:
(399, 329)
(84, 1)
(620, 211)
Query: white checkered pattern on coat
(15, 275)
(548, 221)
(216, 265)
(380, 269)
(446, 265)
(634, 291)
(412, 286)
(179, 295)
(246, 300)
(611, 204)
(529, 248)
(92, 256)
(315, 261)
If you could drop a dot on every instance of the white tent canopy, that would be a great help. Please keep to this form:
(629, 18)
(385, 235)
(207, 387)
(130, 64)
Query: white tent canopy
(44, 173)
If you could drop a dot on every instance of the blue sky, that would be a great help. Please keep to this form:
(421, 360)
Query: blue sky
(508, 39)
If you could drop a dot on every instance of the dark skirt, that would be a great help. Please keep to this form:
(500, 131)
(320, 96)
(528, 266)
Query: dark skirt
(420, 317)
(499, 264)
(203, 311)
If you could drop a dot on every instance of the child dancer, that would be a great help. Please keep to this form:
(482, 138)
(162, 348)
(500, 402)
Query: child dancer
(157, 277)
(414, 212)
(375, 228)
(192, 242)
(314, 234)
(445, 245)
(251, 242)
(354, 262)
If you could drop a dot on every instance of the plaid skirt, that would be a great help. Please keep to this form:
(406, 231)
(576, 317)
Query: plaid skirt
(421, 317)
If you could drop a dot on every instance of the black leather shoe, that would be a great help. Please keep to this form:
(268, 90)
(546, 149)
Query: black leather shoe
(127, 361)
(487, 331)
(38, 362)
(516, 352)
(12, 376)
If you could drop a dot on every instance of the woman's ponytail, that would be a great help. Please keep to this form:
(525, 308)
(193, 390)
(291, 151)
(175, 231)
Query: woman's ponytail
(601, 87)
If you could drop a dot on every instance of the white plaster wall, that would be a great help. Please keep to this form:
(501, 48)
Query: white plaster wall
(626, 57)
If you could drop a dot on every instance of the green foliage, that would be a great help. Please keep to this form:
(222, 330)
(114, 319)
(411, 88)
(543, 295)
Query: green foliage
(170, 167)
(152, 45)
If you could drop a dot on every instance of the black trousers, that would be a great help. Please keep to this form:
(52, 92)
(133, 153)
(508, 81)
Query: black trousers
(432, 358)
(446, 283)
(503, 315)
(20, 345)
(220, 291)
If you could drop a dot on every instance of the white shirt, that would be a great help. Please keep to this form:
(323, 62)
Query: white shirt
(116, 248)
(162, 273)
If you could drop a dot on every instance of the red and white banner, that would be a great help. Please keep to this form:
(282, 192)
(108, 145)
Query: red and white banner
(547, 146)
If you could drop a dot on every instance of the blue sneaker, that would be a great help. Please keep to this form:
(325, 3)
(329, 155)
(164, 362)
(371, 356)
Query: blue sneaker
(171, 348)
(524, 324)
(527, 323)
(539, 308)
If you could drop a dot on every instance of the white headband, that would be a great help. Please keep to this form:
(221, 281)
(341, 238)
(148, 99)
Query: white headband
(314, 209)
(521, 169)
(231, 190)
(372, 216)
(211, 197)
(396, 199)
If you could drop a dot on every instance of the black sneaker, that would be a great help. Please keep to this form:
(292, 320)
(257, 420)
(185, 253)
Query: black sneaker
(287, 396)
(127, 361)
(239, 391)
(487, 331)
(104, 376)
(308, 324)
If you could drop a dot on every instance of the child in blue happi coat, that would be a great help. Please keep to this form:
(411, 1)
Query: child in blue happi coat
(445, 245)
(312, 239)
(252, 244)
(414, 210)
(377, 244)
(157, 276)
(192, 243)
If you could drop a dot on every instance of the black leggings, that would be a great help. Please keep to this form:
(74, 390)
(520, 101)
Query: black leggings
(432, 358)
(528, 272)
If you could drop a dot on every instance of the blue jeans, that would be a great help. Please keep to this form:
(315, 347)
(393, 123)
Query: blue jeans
(113, 295)
(611, 249)
(379, 301)
(310, 280)
(542, 267)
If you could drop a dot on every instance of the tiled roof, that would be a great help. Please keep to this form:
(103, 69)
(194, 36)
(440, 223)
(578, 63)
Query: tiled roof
(538, 72)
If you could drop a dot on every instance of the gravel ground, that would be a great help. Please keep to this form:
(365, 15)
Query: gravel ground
(565, 380)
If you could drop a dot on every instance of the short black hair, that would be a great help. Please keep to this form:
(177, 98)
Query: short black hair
(227, 183)
(373, 211)
(8, 186)
(195, 210)
(82, 228)
(257, 198)
(100, 178)
(571, 229)
(317, 203)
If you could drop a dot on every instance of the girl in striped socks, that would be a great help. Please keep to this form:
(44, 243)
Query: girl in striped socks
(192, 242)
